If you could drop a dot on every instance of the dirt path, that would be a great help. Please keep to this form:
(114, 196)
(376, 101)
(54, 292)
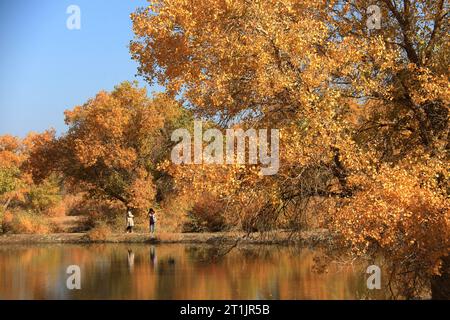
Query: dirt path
(317, 237)
(69, 224)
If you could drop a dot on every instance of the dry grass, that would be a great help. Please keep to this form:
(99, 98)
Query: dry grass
(101, 232)
(22, 222)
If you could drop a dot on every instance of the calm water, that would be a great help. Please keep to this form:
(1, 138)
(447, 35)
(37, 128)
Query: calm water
(121, 271)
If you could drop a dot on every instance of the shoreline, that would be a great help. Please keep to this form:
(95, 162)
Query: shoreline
(313, 238)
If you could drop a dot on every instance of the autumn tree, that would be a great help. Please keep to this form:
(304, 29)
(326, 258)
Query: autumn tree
(10, 174)
(363, 112)
(23, 202)
(112, 146)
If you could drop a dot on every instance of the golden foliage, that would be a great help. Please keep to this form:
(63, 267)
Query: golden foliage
(363, 114)
(112, 146)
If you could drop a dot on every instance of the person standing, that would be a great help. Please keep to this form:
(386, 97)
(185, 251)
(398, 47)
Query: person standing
(130, 221)
(152, 220)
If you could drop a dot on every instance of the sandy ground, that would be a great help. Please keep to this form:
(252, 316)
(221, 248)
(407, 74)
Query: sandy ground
(71, 229)
(306, 238)
(69, 224)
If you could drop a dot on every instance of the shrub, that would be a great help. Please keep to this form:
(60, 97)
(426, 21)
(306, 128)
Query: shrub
(66, 207)
(98, 211)
(206, 215)
(25, 222)
(5, 220)
(173, 213)
(100, 232)
(41, 197)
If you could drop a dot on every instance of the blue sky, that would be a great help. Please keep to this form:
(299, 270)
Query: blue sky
(45, 68)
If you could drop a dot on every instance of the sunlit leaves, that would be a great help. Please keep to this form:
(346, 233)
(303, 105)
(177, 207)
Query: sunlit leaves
(113, 145)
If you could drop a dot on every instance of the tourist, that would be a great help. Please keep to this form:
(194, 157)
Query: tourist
(152, 220)
(130, 221)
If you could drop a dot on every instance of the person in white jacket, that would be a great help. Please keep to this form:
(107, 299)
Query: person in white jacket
(130, 221)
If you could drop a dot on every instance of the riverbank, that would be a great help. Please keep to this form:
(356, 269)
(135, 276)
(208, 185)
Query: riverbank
(316, 237)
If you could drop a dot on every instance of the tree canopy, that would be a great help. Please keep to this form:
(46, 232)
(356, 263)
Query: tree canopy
(363, 113)
(113, 145)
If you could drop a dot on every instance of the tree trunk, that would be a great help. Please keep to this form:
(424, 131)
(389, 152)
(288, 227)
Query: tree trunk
(440, 285)
(5, 206)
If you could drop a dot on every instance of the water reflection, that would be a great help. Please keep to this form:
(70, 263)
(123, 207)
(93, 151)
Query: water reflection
(118, 271)
(153, 258)
(130, 260)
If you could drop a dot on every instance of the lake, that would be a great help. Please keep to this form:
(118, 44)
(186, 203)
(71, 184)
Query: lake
(177, 271)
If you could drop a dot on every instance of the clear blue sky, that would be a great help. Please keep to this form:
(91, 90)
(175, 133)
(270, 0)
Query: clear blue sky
(46, 68)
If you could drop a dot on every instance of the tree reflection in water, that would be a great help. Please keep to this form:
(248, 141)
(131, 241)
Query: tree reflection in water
(177, 271)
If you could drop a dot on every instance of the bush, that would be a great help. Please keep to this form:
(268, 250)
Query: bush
(206, 215)
(65, 207)
(5, 218)
(173, 213)
(25, 222)
(100, 211)
(41, 197)
(100, 232)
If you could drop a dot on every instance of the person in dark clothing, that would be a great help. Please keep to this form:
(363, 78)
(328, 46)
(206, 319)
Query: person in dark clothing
(152, 220)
